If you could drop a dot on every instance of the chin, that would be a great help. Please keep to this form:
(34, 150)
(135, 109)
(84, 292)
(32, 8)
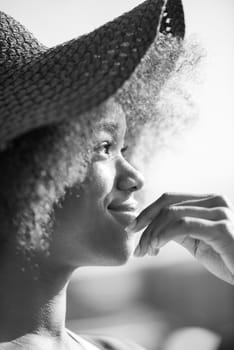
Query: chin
(108, 244)
(115, 260)
(119, 253)
(121, 258)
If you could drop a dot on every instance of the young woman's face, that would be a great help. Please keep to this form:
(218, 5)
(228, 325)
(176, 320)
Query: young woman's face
(90, 225)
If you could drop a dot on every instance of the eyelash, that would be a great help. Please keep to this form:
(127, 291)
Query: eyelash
(107, 146)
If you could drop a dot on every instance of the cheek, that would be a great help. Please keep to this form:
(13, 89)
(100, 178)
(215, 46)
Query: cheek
(104, 235)
(100, 182)
(86, 231)
(93, 215)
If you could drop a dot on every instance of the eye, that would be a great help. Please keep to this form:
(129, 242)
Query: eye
(104, 148)
(107, 148)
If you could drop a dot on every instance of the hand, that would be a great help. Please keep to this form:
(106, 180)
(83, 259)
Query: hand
(203, 224)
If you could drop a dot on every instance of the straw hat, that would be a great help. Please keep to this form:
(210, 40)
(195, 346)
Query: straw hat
(41, 86)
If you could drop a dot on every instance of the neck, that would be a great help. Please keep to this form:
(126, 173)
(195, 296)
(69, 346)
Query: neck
(32, 300)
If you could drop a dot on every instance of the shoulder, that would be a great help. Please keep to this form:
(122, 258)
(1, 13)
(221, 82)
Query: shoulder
(112, 343)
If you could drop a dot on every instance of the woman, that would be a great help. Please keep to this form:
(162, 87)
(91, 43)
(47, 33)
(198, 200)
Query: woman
(66, 184)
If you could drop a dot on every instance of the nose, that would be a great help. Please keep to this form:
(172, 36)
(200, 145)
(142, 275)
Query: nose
(129, 178)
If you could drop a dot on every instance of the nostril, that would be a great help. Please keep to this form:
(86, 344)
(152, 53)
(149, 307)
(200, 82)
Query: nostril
(133, 189)
(130, 184)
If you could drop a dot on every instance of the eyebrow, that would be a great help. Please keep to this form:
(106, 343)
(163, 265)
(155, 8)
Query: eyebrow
(111, 127)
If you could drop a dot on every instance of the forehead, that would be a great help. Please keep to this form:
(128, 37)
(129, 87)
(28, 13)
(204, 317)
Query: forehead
(111, 126)
(112, 120)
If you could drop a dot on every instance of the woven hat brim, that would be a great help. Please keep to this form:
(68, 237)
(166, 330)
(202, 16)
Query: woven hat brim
(41, 86)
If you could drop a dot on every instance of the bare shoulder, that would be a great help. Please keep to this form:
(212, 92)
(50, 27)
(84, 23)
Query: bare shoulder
(112, 343)
(34, 342)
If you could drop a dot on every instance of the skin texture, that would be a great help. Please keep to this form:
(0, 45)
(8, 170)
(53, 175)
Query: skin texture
(74, 222)
(85, 232)
(55, 158)
(203, 224)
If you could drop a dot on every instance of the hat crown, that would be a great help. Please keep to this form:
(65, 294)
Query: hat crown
(40, 86)
(17, 44)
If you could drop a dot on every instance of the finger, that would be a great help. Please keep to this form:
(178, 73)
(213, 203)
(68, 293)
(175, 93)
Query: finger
(153, 251)
(172, 214)
(147, 215)
(188, 243)
(195, 246)
(144, 242)
(206, 200)
(218, 235)
(214, 233)
(210, 259)
(209, 202)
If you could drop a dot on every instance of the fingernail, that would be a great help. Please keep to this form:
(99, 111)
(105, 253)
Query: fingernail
(150, 250)
(153, 251)
(131, 227)
(156, 251)
(137, 251)
(155, 243)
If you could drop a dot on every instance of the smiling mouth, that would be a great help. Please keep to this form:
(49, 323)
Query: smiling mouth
(124, 213)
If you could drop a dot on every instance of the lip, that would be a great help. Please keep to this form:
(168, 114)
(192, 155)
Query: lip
(123, 207)
(124, 213)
